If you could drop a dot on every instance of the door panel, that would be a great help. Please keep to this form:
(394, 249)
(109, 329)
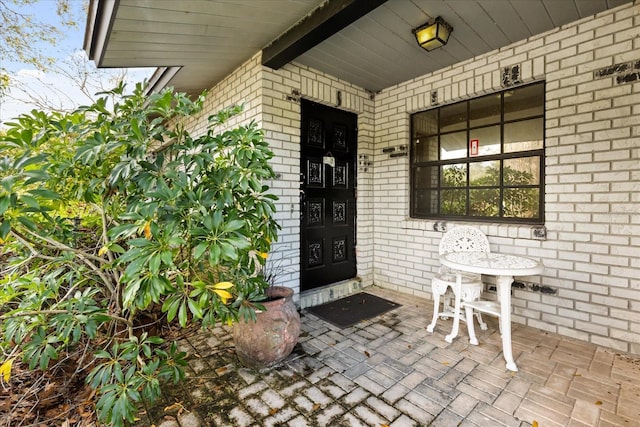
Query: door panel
(327, 192)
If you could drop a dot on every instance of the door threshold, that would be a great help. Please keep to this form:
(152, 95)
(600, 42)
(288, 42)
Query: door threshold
(330, 292)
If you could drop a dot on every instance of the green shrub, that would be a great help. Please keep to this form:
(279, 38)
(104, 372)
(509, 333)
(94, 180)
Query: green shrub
(109, 216)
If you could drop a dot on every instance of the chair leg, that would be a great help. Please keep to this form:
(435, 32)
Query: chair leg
(436, 312)
(468, 311)
(457, 292)
(482, 324)
(447, 307)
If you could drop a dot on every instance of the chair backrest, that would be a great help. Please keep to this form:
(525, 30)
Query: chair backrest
(464, 239)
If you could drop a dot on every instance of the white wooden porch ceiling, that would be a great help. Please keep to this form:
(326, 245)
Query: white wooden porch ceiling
(208, 39)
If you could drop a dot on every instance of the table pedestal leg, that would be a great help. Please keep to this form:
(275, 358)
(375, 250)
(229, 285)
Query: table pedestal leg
(504, 294)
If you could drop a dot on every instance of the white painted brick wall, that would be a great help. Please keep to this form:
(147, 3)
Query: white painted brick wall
(592, 205)
(264, 94)
(591, 253)
(323, 89)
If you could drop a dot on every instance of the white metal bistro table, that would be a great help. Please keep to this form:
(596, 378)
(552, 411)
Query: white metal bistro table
(504, 267)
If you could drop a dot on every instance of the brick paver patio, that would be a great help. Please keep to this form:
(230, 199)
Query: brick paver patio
(389, 371)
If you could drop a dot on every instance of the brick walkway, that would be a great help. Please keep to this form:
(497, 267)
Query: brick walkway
(389, 371)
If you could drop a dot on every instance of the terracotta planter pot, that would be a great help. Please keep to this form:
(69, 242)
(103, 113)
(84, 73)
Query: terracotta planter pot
(271, 338)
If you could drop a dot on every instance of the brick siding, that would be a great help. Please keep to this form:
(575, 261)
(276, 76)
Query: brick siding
(590, 289)
(592, 180)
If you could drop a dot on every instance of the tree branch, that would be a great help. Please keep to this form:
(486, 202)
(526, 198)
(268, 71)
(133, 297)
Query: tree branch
(24, 313)
(85, 257)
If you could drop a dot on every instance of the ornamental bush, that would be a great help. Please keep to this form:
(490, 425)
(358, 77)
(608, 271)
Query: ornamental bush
(114, 218)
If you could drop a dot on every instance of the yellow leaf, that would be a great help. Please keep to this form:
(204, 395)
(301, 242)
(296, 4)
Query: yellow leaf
(223, 285)
(173, 407)
(224, 295)
(5, 369)
(598, 402)
(534, 423)
(103, 250)
(147, 230)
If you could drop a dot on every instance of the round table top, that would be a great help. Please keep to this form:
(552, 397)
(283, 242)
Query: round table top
(492, 263)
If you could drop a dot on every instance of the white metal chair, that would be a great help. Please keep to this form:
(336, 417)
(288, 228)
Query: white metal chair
(466, 287)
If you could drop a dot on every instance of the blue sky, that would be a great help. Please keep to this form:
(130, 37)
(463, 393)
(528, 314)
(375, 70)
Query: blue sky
(58, 89)
(45, 11)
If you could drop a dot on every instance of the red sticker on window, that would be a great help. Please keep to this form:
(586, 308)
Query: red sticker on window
(474, 145)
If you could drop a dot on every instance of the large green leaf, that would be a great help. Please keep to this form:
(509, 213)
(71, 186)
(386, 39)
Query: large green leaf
(45, 194)
(233, 225)
(122, 231)
(5, 202)
(30, 201)
(200, 249)
(5, 227)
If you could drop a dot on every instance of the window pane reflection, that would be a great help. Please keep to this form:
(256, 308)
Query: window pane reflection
(524, 102)
(453, 146)
(488, 140)
(523, 136)
(454, 175)
(484, 174)
(425, 149)
(484, 111)
(453, 117)
(522, 203)
(424, 123)
(484, 202)
(426, 177)
(522, 171)
(426, 202)
(454, 202)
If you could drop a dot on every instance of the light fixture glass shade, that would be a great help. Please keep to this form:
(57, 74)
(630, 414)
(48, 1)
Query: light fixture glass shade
(434, 34)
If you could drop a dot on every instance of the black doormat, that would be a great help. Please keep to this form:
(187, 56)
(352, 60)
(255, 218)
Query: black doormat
(350, 310)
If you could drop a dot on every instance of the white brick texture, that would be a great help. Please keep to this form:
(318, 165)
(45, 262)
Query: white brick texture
(592, 182)
(592, 158)
(267, 97)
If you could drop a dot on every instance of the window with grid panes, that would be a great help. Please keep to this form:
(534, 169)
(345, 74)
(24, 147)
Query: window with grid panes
(481, 159)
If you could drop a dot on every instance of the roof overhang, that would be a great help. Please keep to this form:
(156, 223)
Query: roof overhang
(194, 44)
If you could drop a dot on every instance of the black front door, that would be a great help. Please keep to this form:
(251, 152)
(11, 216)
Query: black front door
(328, 195)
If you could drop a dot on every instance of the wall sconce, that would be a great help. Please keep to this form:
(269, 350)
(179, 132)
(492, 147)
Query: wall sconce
(433, 35)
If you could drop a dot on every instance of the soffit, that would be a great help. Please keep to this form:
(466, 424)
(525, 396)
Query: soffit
(379, 50)
(209, 39)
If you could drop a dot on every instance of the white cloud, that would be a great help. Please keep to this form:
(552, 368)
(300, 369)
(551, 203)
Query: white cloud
(29, 73)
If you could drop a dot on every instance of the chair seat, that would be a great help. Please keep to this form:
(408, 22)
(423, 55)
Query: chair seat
(468, 290)
(489, 307)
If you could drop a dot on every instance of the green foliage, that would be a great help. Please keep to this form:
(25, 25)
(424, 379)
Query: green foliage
(484, 196)
(108, 216)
